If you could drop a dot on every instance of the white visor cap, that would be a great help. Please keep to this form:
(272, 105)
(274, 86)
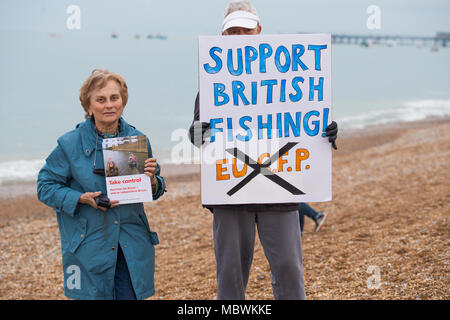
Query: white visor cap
(240, 18)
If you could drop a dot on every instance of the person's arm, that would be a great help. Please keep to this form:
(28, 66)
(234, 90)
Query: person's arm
(198, 131)
(52, 183)
(197, 108)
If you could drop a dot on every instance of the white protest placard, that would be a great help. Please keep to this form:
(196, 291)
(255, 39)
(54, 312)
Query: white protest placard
(124, 160)
(268, 100)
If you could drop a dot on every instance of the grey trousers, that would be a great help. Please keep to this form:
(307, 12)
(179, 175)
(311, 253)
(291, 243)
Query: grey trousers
(234, 240)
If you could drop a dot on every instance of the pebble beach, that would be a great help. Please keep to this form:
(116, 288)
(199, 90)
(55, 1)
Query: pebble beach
(386, 235)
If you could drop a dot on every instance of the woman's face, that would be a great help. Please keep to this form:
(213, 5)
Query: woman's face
(106, 104)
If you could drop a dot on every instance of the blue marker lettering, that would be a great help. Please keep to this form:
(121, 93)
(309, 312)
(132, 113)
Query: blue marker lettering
(283, 91)
(297, 51)
(213, 123)
(267, 125)
(265, 51)
(282, 68)
(316, 123)
(279, 126)
(230, 129)
(251, 54)
(238, 91)
(269, 84)
(289, 123)
(317, 51)
(219, 91)
(246, 128)
(299, 94)
(315, 87)
(232, 71)
(218, 67)
(254, 92)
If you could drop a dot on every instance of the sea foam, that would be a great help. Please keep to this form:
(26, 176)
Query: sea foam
(405, 112)
(20, 170)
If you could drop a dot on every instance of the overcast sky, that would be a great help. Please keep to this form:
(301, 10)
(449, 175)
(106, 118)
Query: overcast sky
(181, 17)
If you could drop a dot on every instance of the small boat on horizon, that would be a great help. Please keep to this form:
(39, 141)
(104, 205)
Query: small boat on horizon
(157, 36)
(161, 36)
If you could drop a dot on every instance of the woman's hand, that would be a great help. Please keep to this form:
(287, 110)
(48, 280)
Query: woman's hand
(88, 198)
(150, 169)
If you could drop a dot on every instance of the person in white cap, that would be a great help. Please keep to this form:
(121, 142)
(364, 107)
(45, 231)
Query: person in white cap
(234, 225)
(241, 21)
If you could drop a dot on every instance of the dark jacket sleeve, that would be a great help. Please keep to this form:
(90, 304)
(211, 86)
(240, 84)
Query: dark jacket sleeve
(196, 118)
(196, 109)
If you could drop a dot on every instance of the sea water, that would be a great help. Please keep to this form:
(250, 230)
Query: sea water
(42, 73)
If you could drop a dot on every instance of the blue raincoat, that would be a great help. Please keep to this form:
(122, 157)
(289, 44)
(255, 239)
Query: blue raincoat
(90, 237)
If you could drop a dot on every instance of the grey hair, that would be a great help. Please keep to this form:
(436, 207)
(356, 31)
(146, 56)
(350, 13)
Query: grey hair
(240, 5)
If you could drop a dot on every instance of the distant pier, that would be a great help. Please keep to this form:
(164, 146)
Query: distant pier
(441, 39)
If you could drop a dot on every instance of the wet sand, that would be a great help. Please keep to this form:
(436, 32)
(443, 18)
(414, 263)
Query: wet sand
(386, 235)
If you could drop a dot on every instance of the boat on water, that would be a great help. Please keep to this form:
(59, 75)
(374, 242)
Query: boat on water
(157, 36)
(161, 36)
(138, 36)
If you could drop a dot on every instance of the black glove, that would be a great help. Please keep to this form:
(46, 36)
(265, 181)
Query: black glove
(331, 132)
(199, 131)
(102, 201)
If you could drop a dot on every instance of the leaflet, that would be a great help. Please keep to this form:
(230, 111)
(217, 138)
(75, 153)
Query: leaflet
(124, 160)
